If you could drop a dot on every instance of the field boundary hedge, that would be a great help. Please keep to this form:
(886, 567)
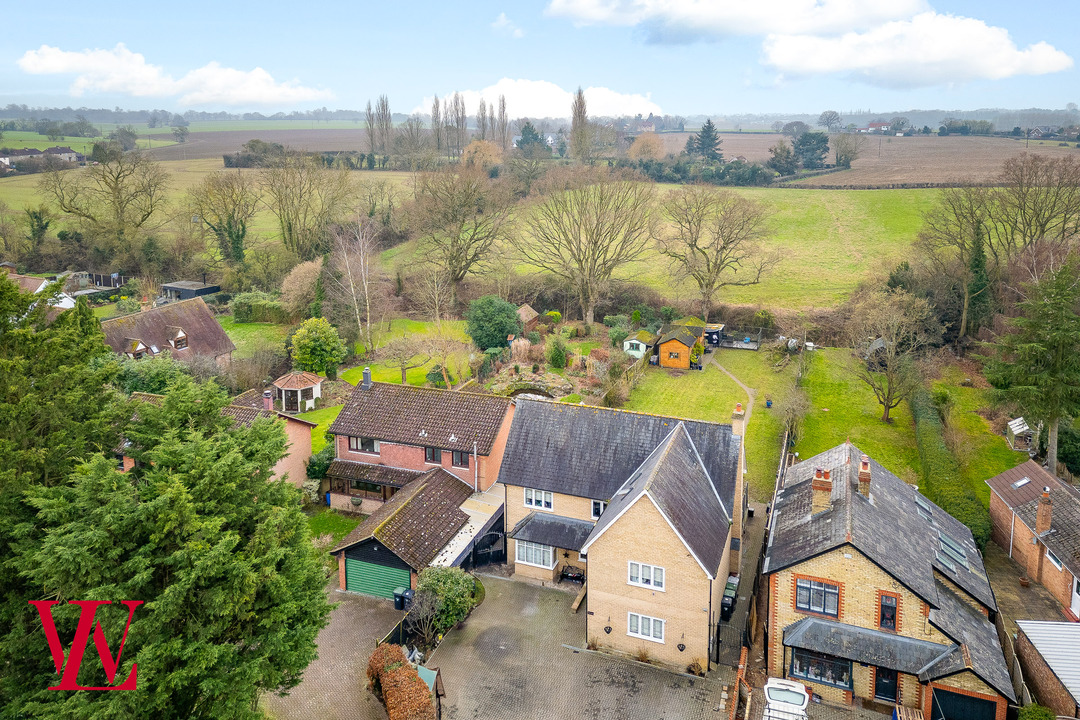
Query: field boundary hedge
(258, 307)
(942, 482)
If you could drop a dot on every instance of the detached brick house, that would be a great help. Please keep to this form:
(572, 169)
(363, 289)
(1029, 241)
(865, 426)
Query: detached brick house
(184, 329)
(387, 435)
(650, 506)
(1035, 518)
(1049, 655)
(876, 593)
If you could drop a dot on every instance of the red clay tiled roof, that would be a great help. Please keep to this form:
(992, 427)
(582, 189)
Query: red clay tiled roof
(369, 472)
(297, 380)
(418, 521)
(445, 419)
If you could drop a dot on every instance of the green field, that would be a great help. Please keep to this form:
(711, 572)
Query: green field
(323, 416)
(843, 408)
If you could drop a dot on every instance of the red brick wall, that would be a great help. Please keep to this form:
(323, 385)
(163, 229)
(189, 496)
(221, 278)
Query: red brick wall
(341, 569)
(409, 457)
(1042, 681)
(1000, 521)
(1032, 556)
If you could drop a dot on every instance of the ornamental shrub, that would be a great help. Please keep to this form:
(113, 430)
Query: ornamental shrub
(613, 321)
(454, 587)
(555, 316)
(489, 320)
(557, 353)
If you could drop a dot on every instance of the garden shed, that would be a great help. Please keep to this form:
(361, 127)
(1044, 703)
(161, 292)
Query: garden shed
(1019, 434)
(187, 289)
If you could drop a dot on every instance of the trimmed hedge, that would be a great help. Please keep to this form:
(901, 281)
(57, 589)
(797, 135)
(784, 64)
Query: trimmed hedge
(258, 307)
(406, 696)
(941, 478)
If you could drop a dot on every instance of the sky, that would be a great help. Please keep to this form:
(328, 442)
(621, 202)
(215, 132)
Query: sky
(679, 57)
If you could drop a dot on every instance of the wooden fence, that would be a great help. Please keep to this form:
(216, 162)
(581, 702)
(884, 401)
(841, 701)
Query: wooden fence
(1020, 688)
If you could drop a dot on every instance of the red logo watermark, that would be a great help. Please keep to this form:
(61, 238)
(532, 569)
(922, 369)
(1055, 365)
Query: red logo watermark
(68, 668)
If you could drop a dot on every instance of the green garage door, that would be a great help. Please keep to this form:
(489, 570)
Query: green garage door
(371, 579)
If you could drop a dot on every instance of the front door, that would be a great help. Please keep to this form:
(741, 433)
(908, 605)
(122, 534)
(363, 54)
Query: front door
(1076, 597)
(885, 684)
(292, 400)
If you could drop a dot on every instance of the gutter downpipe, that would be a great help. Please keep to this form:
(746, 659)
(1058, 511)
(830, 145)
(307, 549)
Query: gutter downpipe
(476, 469)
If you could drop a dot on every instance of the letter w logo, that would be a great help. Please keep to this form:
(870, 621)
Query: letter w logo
(69, 670)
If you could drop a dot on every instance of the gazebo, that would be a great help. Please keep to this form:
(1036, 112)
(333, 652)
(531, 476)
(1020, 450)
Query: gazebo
(296, 391)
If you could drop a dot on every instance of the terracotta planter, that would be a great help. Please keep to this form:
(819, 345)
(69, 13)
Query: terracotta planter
(1024, 582)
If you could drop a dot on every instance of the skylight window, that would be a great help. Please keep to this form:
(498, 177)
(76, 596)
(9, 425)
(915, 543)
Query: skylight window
(923, 507)
(1021, 483)
(946, 562)
(953, 549)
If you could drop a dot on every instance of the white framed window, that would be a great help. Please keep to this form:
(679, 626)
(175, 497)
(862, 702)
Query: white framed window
(1053, 559)
(647, 576)
(598, 507)
(535, 554)
(582, 558)
(540, 499)
(362, 444)
(645, 627)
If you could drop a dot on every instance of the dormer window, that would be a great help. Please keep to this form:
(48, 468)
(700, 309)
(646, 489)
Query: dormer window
(180, 338)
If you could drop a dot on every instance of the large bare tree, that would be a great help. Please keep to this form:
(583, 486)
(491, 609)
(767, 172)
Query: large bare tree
(887, 332)
(116, 199)
(481, 120)
(412, 143)
(461, 123)
(225, 202)
(352, 275)
(589, 223)
(713, 234)
(405, 353)
(502, 129)
(306, 198)
(459, 214)
(1037, 200)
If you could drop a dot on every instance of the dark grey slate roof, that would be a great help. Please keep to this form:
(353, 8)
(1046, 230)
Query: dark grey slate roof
(675, 479)
(873, 647)
(590, 452)
(887, 527)
(553, 530)
(974, 631)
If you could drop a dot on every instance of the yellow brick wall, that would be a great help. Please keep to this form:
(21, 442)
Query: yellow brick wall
(966, 680)
(643, 535)
(859, 580)
(569, 506)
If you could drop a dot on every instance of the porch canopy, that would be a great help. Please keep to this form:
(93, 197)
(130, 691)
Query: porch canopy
(553, 530)
(872, 647)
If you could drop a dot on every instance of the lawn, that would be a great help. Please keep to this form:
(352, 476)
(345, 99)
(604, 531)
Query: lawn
(325, 521)
(765, 430)
(983, 453)
(398, 327)
(323, 416)
(249, 337)
(706, 394)
(842, 408)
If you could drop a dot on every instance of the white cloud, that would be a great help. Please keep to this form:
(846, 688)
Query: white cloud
(682, 20)
(506, 26)
(121, 71)
(929, 49)
(540, 98)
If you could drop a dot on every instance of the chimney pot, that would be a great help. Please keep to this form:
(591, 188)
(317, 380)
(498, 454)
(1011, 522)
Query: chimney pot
(827, 474)
(864, 476)
(817, 473)
(738, 407)
(1044, 513)
(367, 379)
(268, 400)
(820, 491)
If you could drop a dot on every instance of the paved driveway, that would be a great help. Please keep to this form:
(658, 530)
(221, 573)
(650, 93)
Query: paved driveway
(335, 684)
(508, 661)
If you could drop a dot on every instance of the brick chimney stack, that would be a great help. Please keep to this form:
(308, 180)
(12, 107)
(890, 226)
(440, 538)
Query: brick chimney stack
(864, 476)
(821, 487)
(268, 399)
(1043, 514)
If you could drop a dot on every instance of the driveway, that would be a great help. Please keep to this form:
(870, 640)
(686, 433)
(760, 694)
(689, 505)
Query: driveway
(1015, 602)
(335, 684)
(509, 661)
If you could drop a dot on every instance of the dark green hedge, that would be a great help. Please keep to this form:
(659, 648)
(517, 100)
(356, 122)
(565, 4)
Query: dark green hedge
(941, 478)
(258, 307)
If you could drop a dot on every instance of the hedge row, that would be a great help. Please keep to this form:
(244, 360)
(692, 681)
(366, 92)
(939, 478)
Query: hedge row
(258, 307)
(406, 696)
(941, 478)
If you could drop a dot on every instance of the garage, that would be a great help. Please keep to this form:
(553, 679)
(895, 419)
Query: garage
(954, 706)
(371, 569)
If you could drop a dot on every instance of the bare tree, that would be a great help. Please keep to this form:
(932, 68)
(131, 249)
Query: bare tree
(503, 127)
(581, 134)
(887, 332)
(589, 224)
(449, 133)
(405, 353)
(353, 275)
(847, 147)
(713, 235)
(434, 292)
(481, 120)
(412, 142)
(459, 214)
(225, 202)
(437, 123)
(461, 124)
(372, 128)
(298, 289)
(446, 350)
(306, 198)
(830, 119)
(422, 617)
(380, 200)
(384, 123)
(1037, 200)
(492, 123)
(115, 199)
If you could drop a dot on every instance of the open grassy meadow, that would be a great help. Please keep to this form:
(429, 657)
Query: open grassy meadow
(249, 337)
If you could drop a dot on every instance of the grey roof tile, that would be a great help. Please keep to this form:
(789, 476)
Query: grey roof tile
(873, 647)
(554, 530)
